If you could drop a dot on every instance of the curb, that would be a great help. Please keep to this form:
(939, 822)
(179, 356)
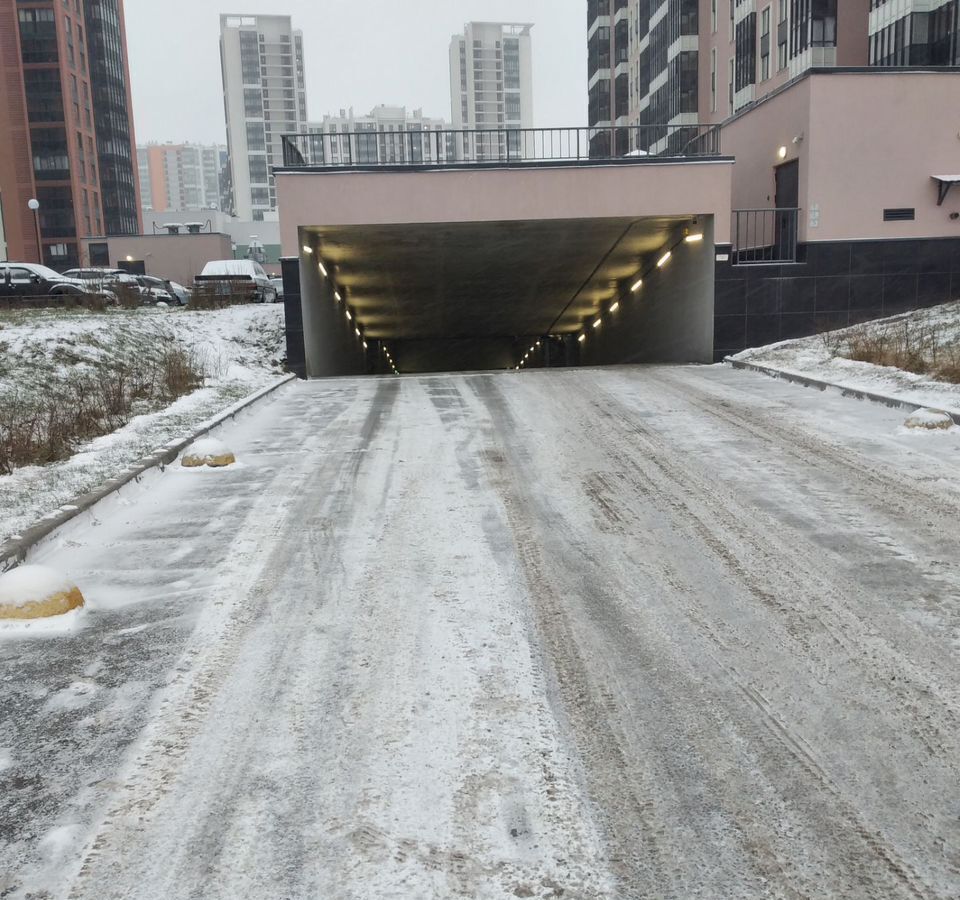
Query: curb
(844, 390)
(14, 551)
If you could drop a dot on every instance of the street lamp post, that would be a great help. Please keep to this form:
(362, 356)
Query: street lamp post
(35, 206)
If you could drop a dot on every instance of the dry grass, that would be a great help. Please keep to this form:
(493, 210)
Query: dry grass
(918, 345)
(38, 428)
(211, 296)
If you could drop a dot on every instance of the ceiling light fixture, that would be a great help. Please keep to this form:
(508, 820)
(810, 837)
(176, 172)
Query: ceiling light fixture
(349, 316)
(582, 338)
(615, 306)
(636, 286)
(598, 323)
(337, 296)
(664, 259)
(694, 238)
(323, 268)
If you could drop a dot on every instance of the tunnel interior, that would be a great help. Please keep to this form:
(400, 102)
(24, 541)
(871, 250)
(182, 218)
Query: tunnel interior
(436, 297)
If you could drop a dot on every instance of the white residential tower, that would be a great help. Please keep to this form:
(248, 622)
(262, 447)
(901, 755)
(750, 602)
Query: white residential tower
(264, 98)
(491, 77)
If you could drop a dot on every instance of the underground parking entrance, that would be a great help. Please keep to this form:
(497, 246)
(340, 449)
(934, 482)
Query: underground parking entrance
(434, 268)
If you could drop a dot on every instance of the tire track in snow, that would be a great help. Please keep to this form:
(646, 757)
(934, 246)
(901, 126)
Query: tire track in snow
(673, 485)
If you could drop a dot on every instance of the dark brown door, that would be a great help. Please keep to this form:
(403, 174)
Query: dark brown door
(788, 185)
(787, 219)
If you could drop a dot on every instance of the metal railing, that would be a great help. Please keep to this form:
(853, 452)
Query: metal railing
(497, 146)
(764, 236)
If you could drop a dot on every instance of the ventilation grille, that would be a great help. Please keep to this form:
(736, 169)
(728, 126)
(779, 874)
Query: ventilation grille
(900, 214)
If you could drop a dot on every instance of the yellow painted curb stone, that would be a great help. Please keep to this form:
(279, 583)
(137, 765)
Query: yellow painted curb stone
(207, 452)
(36, 592)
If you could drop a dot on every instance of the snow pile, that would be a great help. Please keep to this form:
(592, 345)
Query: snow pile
(820, 357)
(30, 592)
(208, 452)
(930, 419)
(243, 351)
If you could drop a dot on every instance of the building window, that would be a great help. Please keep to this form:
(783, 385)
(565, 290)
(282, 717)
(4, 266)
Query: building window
(51, 155)
(38, 35)
(44, 96)
(258, 169)
(765, 44)
(252, 103)
(713, 77)
(746, 68)
(730, 86)
(813, 24)
(255, 136)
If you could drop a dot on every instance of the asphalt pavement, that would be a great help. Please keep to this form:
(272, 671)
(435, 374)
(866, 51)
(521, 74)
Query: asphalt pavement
(623, 633)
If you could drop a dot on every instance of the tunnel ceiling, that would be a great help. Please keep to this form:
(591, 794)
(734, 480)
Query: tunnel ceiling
(478, 280)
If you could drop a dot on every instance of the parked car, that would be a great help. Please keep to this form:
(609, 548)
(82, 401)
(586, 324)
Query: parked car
(29, 279)
(156, 290)
(104, 278)
(231, 276)
(181, 293)
(278, 284)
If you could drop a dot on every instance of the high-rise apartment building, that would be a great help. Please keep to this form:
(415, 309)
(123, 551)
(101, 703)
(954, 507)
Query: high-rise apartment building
(642, 53)
(642, 70)
(491, 76)
(389, 134)
(915, 32)
(264, 98)
(748, 48)
(113, 115)
(674, 63)
(63, 76)
(179, 176)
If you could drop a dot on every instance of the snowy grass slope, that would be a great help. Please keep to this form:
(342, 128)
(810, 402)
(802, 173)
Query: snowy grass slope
(822, 357)
(242, 351)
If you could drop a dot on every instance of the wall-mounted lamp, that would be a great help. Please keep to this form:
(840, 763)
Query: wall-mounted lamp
(694, 238)
(614, 306)
(664, 259)
(782, 153)
(323, 268)
(307, 249)
(636, 286)
(582, 338)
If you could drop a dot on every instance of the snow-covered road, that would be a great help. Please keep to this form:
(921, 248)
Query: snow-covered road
(626, 633)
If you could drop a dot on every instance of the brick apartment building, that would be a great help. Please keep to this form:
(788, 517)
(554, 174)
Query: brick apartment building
(67, 126)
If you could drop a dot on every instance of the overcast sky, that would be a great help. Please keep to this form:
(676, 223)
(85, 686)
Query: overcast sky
(358, 54)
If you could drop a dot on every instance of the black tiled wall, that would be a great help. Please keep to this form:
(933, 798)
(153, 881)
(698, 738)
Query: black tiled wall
(293, 316)
(836, 285)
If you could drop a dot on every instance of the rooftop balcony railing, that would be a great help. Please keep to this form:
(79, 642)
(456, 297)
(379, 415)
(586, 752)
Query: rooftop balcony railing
(498, 146)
